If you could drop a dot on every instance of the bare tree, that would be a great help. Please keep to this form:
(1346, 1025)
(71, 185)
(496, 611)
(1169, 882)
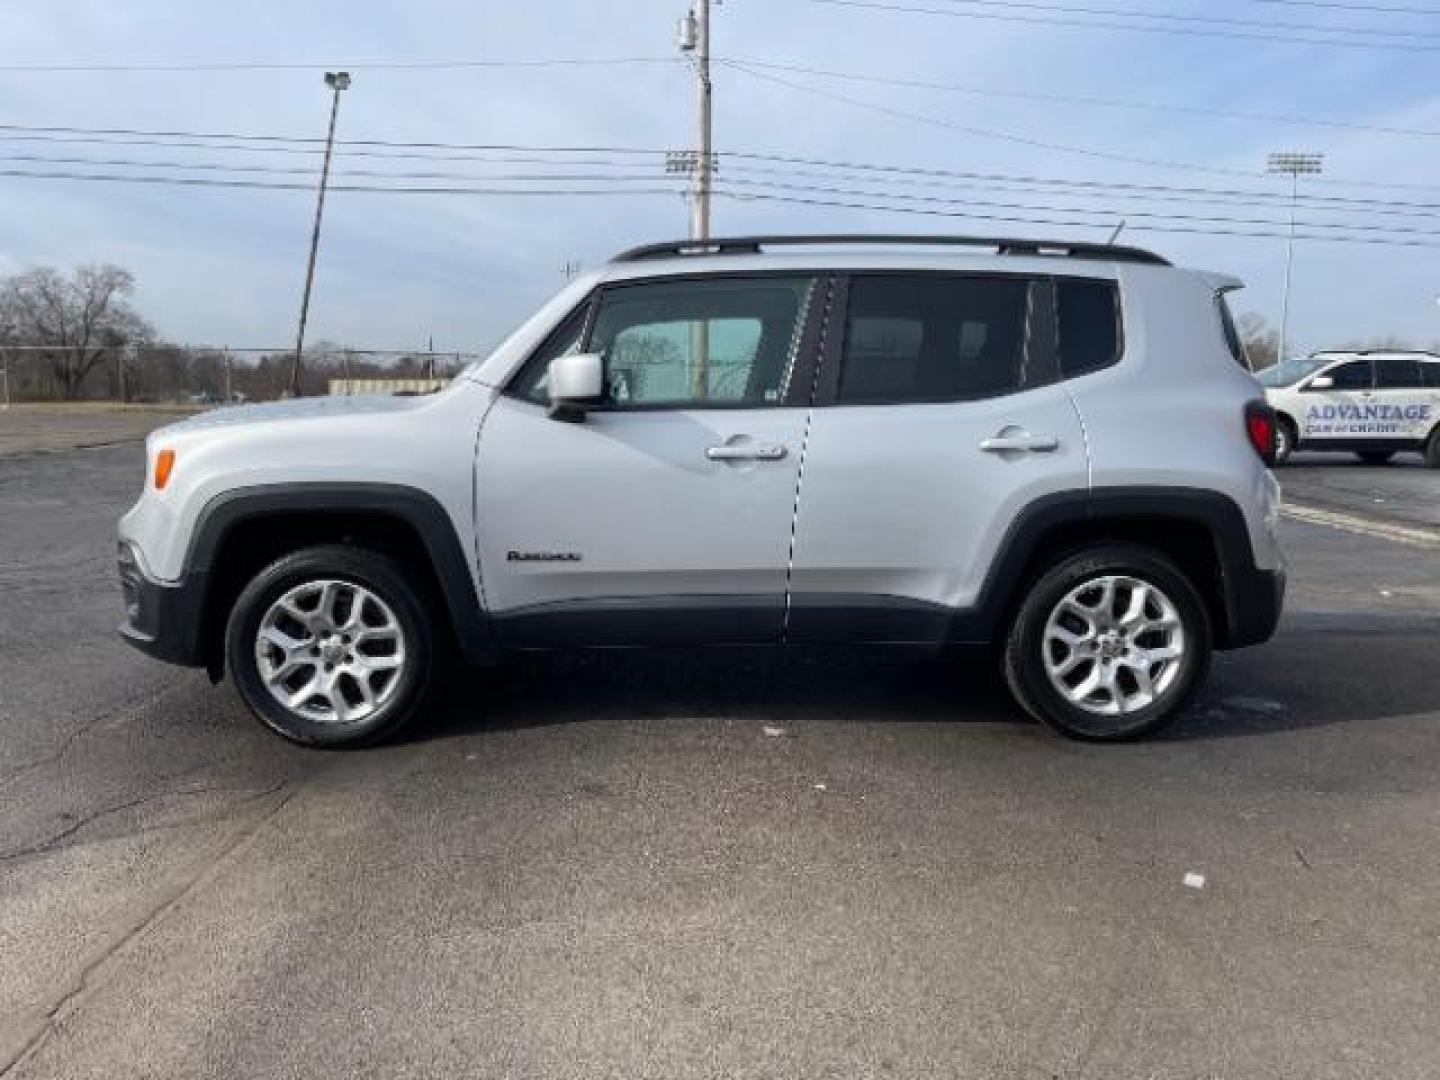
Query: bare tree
(79, 318)
(1262, 344)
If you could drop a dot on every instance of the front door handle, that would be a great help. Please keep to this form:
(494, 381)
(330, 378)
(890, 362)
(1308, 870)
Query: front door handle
(1040, 444)
(745, 452)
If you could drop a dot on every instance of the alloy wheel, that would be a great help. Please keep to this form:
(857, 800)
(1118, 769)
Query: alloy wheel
(331, 651)
(1113, 645)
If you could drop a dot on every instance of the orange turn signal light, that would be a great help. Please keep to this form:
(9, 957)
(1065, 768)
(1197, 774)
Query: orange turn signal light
(164, 466)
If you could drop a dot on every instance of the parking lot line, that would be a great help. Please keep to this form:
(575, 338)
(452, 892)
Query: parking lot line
(1428, 539)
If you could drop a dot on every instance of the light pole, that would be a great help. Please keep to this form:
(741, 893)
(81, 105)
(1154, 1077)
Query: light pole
(1293, 164)
(337, 81)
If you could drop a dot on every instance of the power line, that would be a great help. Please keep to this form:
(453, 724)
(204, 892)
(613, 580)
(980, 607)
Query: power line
(317, 65)
(1388, 9)
(1063, 223)
(271, 170)
(206, 181)
(1107, 103)
(527, 153)
(1025, 140)
(1166, 16)
(929, 178)
(1109, 212)
(1004, 136)
(1097, 189)
(1353, 235)
(1095, 24)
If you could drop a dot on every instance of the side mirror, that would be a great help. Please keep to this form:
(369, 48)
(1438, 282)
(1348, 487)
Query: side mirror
(576, 382)
(1320, 382)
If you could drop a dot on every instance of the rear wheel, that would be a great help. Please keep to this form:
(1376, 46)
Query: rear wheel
(1108, 644)
(1432, 449)
(330, 646)
(1375, 457)
(1285, 439)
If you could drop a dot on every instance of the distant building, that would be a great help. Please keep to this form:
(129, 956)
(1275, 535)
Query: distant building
(346, 387)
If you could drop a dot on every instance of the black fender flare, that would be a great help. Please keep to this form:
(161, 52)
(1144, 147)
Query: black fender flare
(1244, 617)
(413, 507)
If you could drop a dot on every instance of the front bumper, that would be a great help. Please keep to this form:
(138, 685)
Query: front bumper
(161, 619)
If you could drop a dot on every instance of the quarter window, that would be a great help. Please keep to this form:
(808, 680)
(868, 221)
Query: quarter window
(706, 341)
(563, 341)
(932, 338)
(1233, 341)
(1431, 374)
(1087, 325)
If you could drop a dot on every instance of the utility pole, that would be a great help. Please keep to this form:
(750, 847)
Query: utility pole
(695, 38)
(700, 210)
(337, 81)
(1292, 164)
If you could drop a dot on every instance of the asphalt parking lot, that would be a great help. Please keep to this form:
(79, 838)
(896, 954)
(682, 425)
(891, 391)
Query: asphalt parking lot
(607, 867)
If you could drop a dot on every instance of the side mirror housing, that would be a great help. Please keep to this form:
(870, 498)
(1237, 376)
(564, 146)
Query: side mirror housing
(1320, 382)
(576, 383)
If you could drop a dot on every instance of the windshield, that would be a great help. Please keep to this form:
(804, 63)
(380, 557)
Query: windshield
(1289, 372)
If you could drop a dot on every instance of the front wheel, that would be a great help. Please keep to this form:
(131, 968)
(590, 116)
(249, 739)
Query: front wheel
(330, 646)
(1108, 644)
(1432, 449)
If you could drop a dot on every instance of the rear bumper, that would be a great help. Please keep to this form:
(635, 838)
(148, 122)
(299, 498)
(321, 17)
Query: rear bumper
(161, 619)
(1254, 601)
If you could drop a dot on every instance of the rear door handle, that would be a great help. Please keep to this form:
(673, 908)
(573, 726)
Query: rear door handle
(1040, 444)
(744, 452)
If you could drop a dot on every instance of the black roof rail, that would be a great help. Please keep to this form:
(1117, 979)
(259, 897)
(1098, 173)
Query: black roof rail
(1390, 352)
(754, 245)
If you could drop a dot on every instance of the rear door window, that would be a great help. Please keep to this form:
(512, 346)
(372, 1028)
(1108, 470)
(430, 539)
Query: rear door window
(1087, 315)
(1397, 373)
(917, 337)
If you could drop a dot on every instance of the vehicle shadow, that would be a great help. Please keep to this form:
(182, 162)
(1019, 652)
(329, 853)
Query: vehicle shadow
(1308, 677)
(744, 684)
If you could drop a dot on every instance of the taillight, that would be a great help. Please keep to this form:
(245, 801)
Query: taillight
(1260, 426)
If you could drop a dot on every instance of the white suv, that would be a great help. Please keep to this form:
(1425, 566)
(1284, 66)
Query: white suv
(1371, 403)
(1053, 448)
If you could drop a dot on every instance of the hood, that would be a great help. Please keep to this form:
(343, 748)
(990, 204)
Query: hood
(313, 408)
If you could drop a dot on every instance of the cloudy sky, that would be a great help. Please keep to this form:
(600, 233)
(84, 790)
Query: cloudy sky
(224, 264)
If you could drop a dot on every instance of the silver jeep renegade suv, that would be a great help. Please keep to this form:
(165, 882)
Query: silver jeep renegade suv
(1052, 448)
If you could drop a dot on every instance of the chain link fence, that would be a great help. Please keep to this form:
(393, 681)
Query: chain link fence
(203, 375)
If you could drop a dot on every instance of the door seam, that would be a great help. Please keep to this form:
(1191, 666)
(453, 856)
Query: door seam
(804, 454)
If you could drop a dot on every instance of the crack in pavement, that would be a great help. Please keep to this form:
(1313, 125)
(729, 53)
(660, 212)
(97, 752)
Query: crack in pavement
(55, 843)
(92, 973)
(149, 697)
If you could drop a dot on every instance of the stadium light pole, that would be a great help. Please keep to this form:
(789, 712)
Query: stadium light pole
(1294, 165)
(337, 81)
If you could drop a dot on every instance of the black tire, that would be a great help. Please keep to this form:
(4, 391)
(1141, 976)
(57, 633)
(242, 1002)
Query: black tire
(386, 581)
(1286, 436)
(1432, 449)
(1375, 457)
(1024, 655)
